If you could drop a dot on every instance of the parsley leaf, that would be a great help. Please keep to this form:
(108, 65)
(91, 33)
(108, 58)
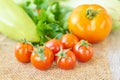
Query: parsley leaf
(52, 20)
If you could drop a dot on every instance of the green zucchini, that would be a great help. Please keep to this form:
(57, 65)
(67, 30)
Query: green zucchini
(15, 23)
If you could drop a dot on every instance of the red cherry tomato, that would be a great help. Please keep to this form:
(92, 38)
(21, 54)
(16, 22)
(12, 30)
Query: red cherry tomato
(83, 51)
(23, 52)
(54, 45)
(66, 59)
(42, 58)
(69, 40)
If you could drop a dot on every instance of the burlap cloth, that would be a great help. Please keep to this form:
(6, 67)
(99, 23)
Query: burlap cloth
(95, 69)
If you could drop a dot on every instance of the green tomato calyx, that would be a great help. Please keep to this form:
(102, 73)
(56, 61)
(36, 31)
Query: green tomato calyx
(62, 54)
(91, 13)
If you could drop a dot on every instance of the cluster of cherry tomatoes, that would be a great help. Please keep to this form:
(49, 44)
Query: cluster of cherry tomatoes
(65, 52)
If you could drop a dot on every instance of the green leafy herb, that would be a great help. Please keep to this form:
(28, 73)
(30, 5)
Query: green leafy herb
(52, 20)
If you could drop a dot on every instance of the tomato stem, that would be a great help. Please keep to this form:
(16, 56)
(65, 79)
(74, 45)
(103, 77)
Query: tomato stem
(25, 41)
(84, 43)
(40, 51)
(62, 54)
(91, 13)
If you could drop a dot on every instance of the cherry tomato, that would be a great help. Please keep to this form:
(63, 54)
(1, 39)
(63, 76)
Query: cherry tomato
(65, 59)
(69, 40)
(90, 22)
(42, 58)
(54, 45)
(83, 51)
(23, 52)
